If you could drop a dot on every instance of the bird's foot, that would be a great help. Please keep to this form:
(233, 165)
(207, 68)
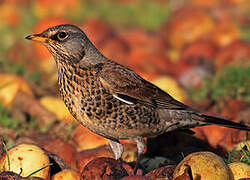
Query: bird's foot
(140, 147)
(117, 148)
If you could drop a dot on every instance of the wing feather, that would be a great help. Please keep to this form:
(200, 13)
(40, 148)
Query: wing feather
(129, 86)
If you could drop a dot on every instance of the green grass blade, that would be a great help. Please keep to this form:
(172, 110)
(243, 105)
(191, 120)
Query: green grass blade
(7, 154)
(39, 170)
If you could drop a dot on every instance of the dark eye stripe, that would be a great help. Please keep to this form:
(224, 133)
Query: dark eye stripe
(54, 37)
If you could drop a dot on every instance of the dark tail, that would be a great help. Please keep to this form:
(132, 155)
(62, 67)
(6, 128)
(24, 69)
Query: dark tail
(224, 122)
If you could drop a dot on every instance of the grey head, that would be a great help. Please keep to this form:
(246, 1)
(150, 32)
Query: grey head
(68, 43)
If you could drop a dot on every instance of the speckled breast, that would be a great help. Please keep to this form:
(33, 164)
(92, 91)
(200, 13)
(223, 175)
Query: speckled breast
(97, 109)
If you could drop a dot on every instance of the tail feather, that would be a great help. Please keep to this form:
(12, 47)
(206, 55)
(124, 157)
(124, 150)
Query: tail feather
(224, 122)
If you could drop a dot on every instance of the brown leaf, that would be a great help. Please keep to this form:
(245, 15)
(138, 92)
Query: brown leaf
(8, 175)
(165, 172)
(103, 168)
(30, 105)
(136, 178)
(62, 149)
(84, 157)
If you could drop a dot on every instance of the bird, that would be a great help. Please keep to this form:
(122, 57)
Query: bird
(112, 100)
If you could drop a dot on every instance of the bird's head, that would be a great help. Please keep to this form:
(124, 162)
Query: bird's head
(65, 42)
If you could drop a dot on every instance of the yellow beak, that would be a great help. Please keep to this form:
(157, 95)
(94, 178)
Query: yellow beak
(37, 37)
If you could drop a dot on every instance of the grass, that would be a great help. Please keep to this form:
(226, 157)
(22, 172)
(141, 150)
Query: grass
(39, 170)
(18, 69)
(6, 120)
(241, 155)
(246, 156)
(245, 32)
(7, 154)
(145, 14)
(229, 82)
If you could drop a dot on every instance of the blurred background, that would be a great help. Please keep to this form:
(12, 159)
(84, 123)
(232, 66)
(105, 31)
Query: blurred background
(196, 50)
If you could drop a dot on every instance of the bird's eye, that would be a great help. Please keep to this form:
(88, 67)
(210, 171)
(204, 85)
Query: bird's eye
(62, 35)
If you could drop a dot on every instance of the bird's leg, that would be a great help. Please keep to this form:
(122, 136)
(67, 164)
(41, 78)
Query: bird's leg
(140, 147)
(117, 148)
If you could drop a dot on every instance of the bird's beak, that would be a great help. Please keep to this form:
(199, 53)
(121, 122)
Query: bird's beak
(37, 37)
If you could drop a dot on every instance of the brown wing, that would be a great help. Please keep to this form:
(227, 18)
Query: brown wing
(129, 86)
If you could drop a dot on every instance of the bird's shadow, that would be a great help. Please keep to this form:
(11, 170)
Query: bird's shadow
(178, 144)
